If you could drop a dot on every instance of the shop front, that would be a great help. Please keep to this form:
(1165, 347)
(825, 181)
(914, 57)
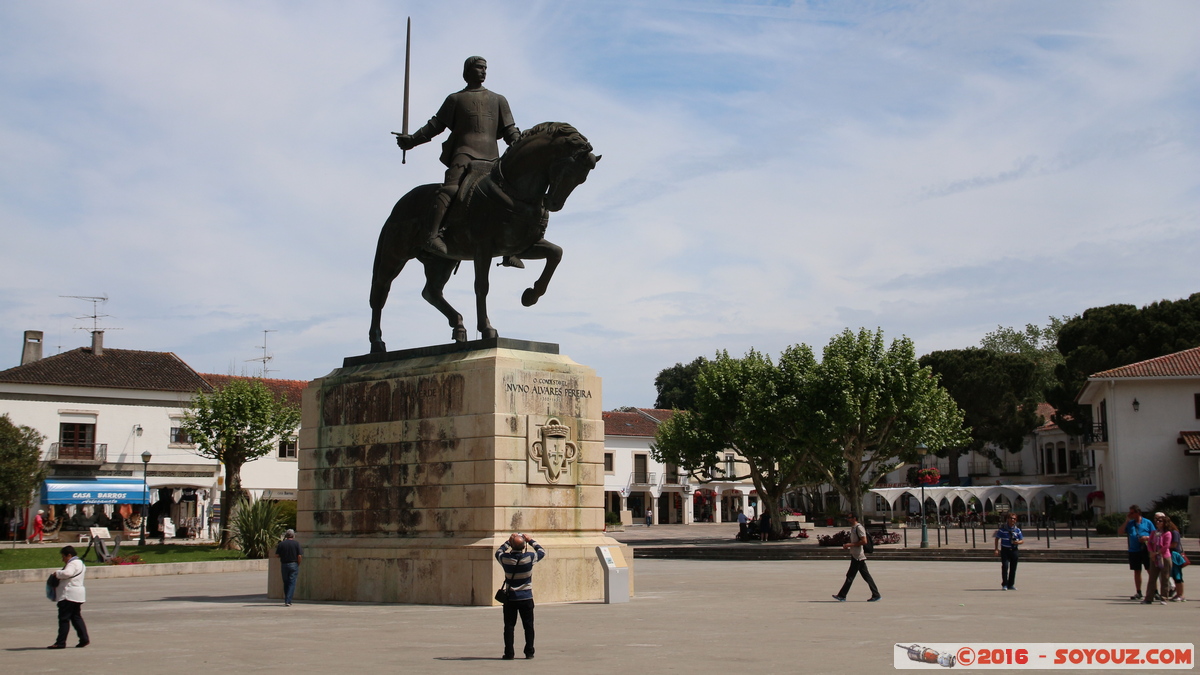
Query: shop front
(74, 504)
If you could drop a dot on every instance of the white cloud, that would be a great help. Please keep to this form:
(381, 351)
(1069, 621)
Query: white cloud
(771, 174)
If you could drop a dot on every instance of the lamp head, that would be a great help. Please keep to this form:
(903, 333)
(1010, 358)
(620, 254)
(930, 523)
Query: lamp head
(146, 457)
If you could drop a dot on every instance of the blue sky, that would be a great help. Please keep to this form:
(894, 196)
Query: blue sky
(773, 172)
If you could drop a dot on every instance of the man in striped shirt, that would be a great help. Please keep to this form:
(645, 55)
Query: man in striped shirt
(517, 556)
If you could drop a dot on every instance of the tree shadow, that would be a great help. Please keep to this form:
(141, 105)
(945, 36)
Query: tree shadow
(467, 658)
(25, 649)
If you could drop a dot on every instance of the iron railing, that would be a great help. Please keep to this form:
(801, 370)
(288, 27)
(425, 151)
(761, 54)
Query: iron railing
(78, 452)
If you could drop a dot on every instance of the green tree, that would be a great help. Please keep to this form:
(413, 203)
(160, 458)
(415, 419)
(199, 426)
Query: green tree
(677, 385)
(749, 406)
(998, 393)
(873, 406)
(1038, 343)
(234, 425)
(1117, 335)
(20, 463)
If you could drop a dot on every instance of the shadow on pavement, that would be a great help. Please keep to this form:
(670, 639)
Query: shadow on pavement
(257, 599)
(467, 658)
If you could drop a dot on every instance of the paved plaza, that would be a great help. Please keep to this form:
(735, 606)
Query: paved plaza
(688, 616)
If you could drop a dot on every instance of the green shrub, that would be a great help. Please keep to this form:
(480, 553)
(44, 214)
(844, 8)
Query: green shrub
(612, 518)
(1109, 522)
(287, 511)
(257, 527)
(1168, 503)
(1181, 518)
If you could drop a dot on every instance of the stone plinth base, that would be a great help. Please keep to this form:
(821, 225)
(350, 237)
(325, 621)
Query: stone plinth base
(415, 466)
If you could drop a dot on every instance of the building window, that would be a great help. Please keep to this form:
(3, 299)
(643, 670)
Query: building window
(1062, 458)
(729, 468)
(75, 435)
(1196, 400)
(180, 437)
(1049, 454)
(608, 462)
(287, 448)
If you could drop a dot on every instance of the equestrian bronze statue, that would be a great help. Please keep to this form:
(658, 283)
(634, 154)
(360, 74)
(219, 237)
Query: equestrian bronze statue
(501, 209)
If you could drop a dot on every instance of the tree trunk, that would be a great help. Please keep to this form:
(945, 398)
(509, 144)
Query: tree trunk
(953, 454)
(229, 497)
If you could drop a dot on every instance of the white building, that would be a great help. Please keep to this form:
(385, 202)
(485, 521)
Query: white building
(99, 409)
(1146, 429)
(635, 483)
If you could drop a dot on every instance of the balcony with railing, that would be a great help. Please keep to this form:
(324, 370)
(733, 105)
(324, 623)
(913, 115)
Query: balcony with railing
(1096, 433)
(1010, 466)
(85, 454)
(642, 478)
(675, 479)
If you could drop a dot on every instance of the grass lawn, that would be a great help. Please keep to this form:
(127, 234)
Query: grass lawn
(32, 558)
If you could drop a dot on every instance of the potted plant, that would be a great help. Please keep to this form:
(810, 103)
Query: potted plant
(930, 476)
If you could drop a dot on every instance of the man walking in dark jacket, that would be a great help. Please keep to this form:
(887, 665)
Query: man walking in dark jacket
(517, 556)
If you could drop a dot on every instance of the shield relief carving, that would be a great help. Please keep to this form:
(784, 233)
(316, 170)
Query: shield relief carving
(553, 456)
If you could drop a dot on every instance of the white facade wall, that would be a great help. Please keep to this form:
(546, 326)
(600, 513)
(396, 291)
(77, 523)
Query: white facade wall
(1143, 459)
(117, 418)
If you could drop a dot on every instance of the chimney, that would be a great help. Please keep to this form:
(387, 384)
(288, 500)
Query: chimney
(32, 349)
(97, 343)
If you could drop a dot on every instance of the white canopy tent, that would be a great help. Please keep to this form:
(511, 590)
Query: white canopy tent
(985, 492)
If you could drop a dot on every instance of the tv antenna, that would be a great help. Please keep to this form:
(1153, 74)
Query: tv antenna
(266, 357)
(95, 316)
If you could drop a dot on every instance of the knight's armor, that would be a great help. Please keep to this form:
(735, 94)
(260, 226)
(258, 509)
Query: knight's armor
(476, 118)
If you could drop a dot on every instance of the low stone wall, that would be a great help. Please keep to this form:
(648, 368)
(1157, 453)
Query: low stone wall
(151, 570)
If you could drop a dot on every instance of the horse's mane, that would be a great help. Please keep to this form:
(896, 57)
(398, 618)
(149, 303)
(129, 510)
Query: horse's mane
(559, 134)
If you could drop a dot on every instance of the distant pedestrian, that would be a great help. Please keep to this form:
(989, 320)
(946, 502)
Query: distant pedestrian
(1008, 540)
(289, 553)
(70, 595)
(764, 525)
(743, 525)
(39, 527)
(858, 561)
(1159, 549)
(1177, 559)
(1138, 530)
(517, 561)
(649, 516)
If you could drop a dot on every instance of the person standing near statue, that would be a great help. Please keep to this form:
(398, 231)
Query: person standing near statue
(289, 553)
(476, 118)
(70, 595)
(517, 561)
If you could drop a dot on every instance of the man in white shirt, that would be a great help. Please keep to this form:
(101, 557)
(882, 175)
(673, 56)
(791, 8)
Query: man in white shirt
(70, 595)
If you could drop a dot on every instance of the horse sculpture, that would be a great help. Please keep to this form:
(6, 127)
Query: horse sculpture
(501, 210)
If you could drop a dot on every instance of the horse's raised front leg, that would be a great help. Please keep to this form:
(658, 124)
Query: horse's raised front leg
(553, 255)
(483, 266)
(437, 273)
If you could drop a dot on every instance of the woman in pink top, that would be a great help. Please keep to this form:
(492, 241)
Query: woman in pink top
(1159, 547)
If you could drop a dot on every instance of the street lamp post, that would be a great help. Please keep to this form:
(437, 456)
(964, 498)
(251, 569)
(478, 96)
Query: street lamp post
(922, 450)
(145, 495)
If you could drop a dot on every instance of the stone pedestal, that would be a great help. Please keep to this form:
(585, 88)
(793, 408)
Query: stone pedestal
(416, 465)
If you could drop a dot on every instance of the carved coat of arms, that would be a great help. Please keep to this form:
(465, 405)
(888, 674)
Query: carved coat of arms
(552, 454)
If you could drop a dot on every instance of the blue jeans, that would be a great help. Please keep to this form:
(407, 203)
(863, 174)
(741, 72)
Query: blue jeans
(290, 572)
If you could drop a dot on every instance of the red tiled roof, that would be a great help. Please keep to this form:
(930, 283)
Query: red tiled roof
(1180, 364)
(289, 390)
(639, 422)
(1046, 411)
(1190, 441)
(114, 368)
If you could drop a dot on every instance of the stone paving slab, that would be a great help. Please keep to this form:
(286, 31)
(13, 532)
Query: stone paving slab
(689, 617)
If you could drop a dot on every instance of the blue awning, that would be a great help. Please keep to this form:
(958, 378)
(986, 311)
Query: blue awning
(92, 491)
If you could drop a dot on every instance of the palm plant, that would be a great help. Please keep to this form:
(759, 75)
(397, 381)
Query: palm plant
(257, 527)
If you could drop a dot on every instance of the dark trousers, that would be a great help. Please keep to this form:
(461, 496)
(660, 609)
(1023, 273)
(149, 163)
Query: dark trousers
(290, 572)
(1008, 567)
(858, 567)
(69, 615)
(511, 609)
